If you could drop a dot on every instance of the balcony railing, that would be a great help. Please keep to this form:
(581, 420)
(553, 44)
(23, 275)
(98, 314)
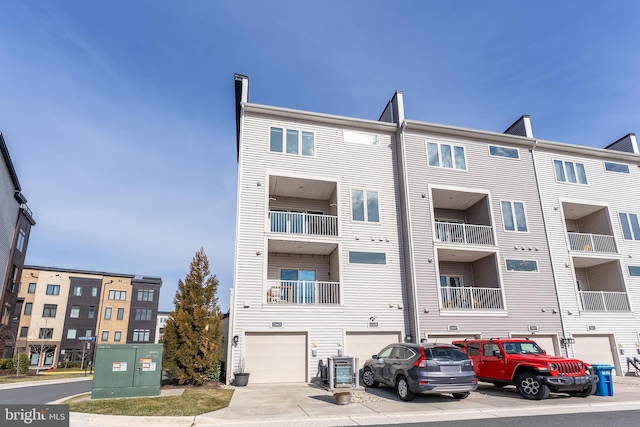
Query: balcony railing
(604, 301)
(469, 298)
(586, 242)
(303, 223)
(303, 292)
(451, 232)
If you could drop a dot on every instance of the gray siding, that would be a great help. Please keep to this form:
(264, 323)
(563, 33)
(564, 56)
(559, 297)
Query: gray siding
(8, 219)
(485, 273)
(449, 215)
(479, 214)
(318, 263)
(458, 269)
(596, 223)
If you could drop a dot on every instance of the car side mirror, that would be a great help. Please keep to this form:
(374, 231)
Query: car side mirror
(497, 353)
(375, 356)
(544, 352)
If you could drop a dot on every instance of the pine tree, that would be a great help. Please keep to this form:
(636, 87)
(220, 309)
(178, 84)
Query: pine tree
(193, 332)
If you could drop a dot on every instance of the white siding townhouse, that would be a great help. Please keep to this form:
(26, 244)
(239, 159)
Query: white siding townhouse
(352, 234)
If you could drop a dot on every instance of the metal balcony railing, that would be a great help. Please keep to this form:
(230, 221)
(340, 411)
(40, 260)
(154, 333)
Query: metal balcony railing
(302, 292)
(469, 234)
(604, 301)
(303, 223)
(469, 298)
(587, 242)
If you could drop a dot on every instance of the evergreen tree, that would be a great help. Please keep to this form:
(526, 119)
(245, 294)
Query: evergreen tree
(193, 332)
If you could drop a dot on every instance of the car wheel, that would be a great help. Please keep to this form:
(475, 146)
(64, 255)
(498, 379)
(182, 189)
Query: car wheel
(499, 384)
(403, 389)
(531, 388)
(584, 392)
(461, 395)
(367, 378)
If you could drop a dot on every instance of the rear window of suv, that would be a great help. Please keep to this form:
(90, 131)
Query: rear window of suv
(445, 353)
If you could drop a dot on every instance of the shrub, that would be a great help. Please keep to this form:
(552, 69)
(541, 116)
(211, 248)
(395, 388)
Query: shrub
(4, 363)
(24, 364)
(214, 375)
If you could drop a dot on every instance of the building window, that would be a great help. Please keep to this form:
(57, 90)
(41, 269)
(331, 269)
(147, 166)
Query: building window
(45, 333)
(120, 313)
(145, 294)
(360, 138)
(88, 333)
(77, 291)
(22, 236)
(92, 312)
(24, 331)
(522, 265)
(367, 257)
(32, 288)
(27, 308)
(118, 295)
(630, 226)
(446, 156)
(511, 153)
(571, 172)
(94, 292)
(71, 334)
(107, 313)
(6, 313)
(117, 335)
(295, 142)
(105, 335)
(14, 284)
(616, 167)
(361, 211)
(49, 310)
(75, 311)
(634, 270)
(513, 216)
(141, 334)
(143, 314)
(53, 289)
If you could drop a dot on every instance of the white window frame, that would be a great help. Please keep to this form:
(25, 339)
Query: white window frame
(513, 214)
(629, 266)
(284, 141)
(77, 313)
(604, 165)
(507, 148)
(365, 204)
(72, 336)
(367, 263)
(634, 238)
(22, 236)
(77, 291)
(355, 137)
(453, 155)
(506, 266)
(564, 170)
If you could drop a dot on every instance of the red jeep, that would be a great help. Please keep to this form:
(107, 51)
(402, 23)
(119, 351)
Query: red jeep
(523, 363)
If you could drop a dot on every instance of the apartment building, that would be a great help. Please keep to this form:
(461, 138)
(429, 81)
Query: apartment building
(63, 313)
(352, 234)
(318, 263)
(16, 221)
(161, 320)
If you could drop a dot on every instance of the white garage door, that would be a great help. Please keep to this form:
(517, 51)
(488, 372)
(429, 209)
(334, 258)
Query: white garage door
(365, 344)
(547, 342)
(276, 357)
(447, 339)
(593, 348)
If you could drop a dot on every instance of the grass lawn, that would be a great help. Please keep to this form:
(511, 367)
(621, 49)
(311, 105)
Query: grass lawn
(192, 402)
(9, 379)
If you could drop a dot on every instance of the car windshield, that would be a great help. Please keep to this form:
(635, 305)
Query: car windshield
(448, 353)
(522, 348)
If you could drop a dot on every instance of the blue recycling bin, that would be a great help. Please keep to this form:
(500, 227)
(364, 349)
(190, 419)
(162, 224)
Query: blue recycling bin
(605, 379)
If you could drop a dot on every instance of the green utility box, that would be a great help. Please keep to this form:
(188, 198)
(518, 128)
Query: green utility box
(127, 370)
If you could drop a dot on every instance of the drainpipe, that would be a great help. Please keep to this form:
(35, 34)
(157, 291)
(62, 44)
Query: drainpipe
(546, 231)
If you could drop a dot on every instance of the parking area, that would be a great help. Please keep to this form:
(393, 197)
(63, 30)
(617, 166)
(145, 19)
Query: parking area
(309, 404)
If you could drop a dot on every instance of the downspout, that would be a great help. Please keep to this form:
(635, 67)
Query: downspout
(412, 264)
(546, 231)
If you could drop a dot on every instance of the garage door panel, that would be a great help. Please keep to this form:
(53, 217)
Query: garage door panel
(276, 358)
(365, 344)
(593, 349)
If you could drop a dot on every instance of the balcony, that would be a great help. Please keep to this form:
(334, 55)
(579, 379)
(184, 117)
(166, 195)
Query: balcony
(471, 298)
(587, 242)
(303, 223)
(604, 301)
(290, 292)
(467, 234)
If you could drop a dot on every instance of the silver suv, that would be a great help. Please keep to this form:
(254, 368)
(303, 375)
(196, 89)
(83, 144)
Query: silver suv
(421, 368)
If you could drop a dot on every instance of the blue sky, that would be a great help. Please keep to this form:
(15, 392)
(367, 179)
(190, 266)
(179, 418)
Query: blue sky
(119, 115)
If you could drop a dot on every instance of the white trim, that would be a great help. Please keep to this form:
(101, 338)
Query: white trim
(604, 167)
(284, 141)
(440, 143)
(566, 181)
(364, 205)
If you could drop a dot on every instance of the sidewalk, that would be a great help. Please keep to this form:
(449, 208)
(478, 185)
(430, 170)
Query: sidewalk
(309, 405)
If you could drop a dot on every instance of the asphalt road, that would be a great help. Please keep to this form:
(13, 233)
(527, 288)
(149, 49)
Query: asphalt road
(609, 419)
(42, 394)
